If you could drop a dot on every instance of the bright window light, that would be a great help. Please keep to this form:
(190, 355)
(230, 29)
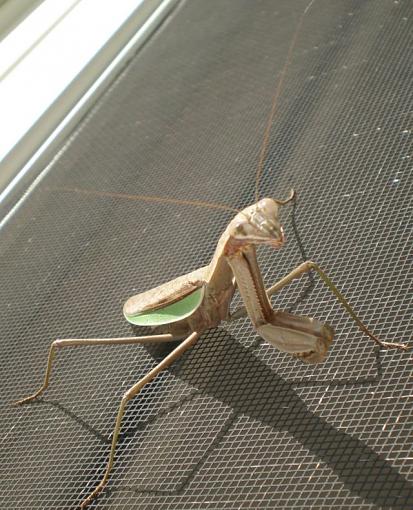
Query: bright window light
(46, 52)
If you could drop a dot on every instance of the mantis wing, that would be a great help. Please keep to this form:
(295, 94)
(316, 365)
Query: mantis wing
(171, 313)
(170, 302)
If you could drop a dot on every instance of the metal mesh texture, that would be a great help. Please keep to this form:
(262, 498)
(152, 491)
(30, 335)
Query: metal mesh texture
(235, 423)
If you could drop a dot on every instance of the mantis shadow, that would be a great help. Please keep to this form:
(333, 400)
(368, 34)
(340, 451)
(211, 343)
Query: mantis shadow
(232, 374)
(219, 366)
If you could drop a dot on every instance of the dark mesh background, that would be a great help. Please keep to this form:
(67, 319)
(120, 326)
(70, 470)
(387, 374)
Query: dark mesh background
(235, 424)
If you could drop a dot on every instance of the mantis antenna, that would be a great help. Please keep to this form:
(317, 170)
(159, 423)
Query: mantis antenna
(274, 104)
(262, 156)
(146, 198)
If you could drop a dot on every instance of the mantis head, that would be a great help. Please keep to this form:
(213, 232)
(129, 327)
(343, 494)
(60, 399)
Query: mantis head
(259, 224)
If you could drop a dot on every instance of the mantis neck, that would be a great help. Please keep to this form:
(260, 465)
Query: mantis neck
(220, 275)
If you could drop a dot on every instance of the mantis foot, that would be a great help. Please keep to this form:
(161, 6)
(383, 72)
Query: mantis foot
(27, 399)
(86, 502)
(391, 345)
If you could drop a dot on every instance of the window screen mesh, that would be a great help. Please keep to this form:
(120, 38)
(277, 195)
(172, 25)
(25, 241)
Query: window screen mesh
(235, 423)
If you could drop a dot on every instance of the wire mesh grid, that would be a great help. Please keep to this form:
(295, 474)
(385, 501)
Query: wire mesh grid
(235, 423)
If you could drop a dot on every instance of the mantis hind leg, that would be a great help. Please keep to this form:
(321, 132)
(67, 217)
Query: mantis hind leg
(131, 393)
(59, 344)
(308, 266)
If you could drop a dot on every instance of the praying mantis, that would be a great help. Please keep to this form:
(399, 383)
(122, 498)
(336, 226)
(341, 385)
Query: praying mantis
(186, 307)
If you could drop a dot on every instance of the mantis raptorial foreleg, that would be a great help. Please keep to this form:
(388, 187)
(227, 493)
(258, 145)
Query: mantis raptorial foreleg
(306, 267)
(59, 344)
(132, 392)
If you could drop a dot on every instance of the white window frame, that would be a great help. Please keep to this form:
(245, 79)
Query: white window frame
(49, 81)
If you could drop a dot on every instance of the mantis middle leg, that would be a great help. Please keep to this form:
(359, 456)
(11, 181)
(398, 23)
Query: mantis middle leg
(131, 393)
(58, 344)
(308, 266)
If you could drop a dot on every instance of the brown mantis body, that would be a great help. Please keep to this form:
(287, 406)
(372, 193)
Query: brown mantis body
(207, 294)
(233, 265)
